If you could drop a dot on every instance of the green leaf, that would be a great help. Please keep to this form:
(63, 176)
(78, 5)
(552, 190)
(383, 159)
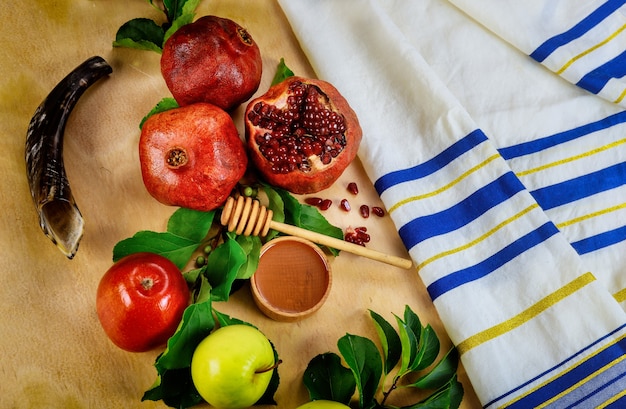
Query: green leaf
(441, 374)
(428, 349)
(179, 14)
(456, 393)
(192, 275)
(277, 206)
(389, 339)
(197, 324)
(292, 208)
(412, 321)
(251, 246)
(190, 224)
(140, 33)
(202, 288)
(437, 400)
(449, 396)
(409, 343)
(282, 72)
(177, 249)
(312, 219)
(175, 388)
(224, 320)
(326, 378)
(363, 358)
(222, 267)
(176, 8)
(163, 105)
(137, 45)
(306, 217)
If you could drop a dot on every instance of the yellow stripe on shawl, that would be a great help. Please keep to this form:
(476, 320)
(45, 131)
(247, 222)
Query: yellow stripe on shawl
(581, 382)
(446, 187)
(615, 341)
(612, 400)
(620, 98)
(478, 239)
(591, 215)
(572, 158)
(620, 296)
(590, 50)
(526, 315)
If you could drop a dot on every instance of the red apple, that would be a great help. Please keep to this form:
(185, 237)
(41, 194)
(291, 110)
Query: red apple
(140, 301)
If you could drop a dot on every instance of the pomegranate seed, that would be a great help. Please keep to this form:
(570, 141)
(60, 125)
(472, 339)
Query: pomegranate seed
(378, 211)
(325, 205)
(353, 188)
(365, 211)
(353, 238)
(361, 229)
(313, 201)
(345, 205)
(364, 237)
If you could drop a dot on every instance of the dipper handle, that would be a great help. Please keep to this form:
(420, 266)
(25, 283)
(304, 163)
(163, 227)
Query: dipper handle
(246, 216)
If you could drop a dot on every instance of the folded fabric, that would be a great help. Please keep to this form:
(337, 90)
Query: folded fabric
(506, 183)
(582, 41)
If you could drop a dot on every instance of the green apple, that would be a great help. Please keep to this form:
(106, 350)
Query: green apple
(323, 404)
(232, 367)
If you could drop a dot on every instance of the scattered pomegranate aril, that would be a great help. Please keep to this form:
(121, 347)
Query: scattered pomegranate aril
(378, 211)
(345, 205)
(325, 205)
(357, 235)
(313, 201)
(365, 211)
(353, 188)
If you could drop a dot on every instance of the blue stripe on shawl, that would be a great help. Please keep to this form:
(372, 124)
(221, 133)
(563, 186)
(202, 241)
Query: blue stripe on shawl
(492, 263)
(433, 165)
(570, 359)
(483, 199)
(599, 241)
(577, 374)
(586, 24)
(537, 145)
(596, 79)
(583, 186)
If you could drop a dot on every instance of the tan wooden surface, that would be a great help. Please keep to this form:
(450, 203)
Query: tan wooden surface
(54, 353)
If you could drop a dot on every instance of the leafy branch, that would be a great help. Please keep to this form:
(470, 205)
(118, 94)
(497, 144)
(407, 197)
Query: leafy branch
(229, 257)
(147, 34)
(408, 359)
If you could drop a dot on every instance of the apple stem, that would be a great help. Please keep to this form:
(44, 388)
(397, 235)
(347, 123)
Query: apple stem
(271, 368)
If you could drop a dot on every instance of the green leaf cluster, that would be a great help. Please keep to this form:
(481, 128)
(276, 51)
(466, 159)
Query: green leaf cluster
(408, 358)
(147, 34)
(230, 257)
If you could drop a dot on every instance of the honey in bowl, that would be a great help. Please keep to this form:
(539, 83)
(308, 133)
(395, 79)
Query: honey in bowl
(293, 279)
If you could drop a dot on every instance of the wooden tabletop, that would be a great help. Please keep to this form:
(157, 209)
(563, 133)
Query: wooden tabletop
(54, 352)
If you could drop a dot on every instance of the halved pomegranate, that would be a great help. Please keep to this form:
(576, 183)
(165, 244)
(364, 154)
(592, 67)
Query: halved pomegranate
(302, 134)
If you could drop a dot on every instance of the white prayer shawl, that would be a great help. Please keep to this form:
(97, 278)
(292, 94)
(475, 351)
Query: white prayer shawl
(495, 135)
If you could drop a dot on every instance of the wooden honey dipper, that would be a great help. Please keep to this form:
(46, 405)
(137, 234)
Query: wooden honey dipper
(246, 216)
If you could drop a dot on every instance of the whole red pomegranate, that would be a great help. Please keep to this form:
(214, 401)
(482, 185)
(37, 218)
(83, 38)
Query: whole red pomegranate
(140, 301)
(302, 134)
(191, 156)
(211, 60)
